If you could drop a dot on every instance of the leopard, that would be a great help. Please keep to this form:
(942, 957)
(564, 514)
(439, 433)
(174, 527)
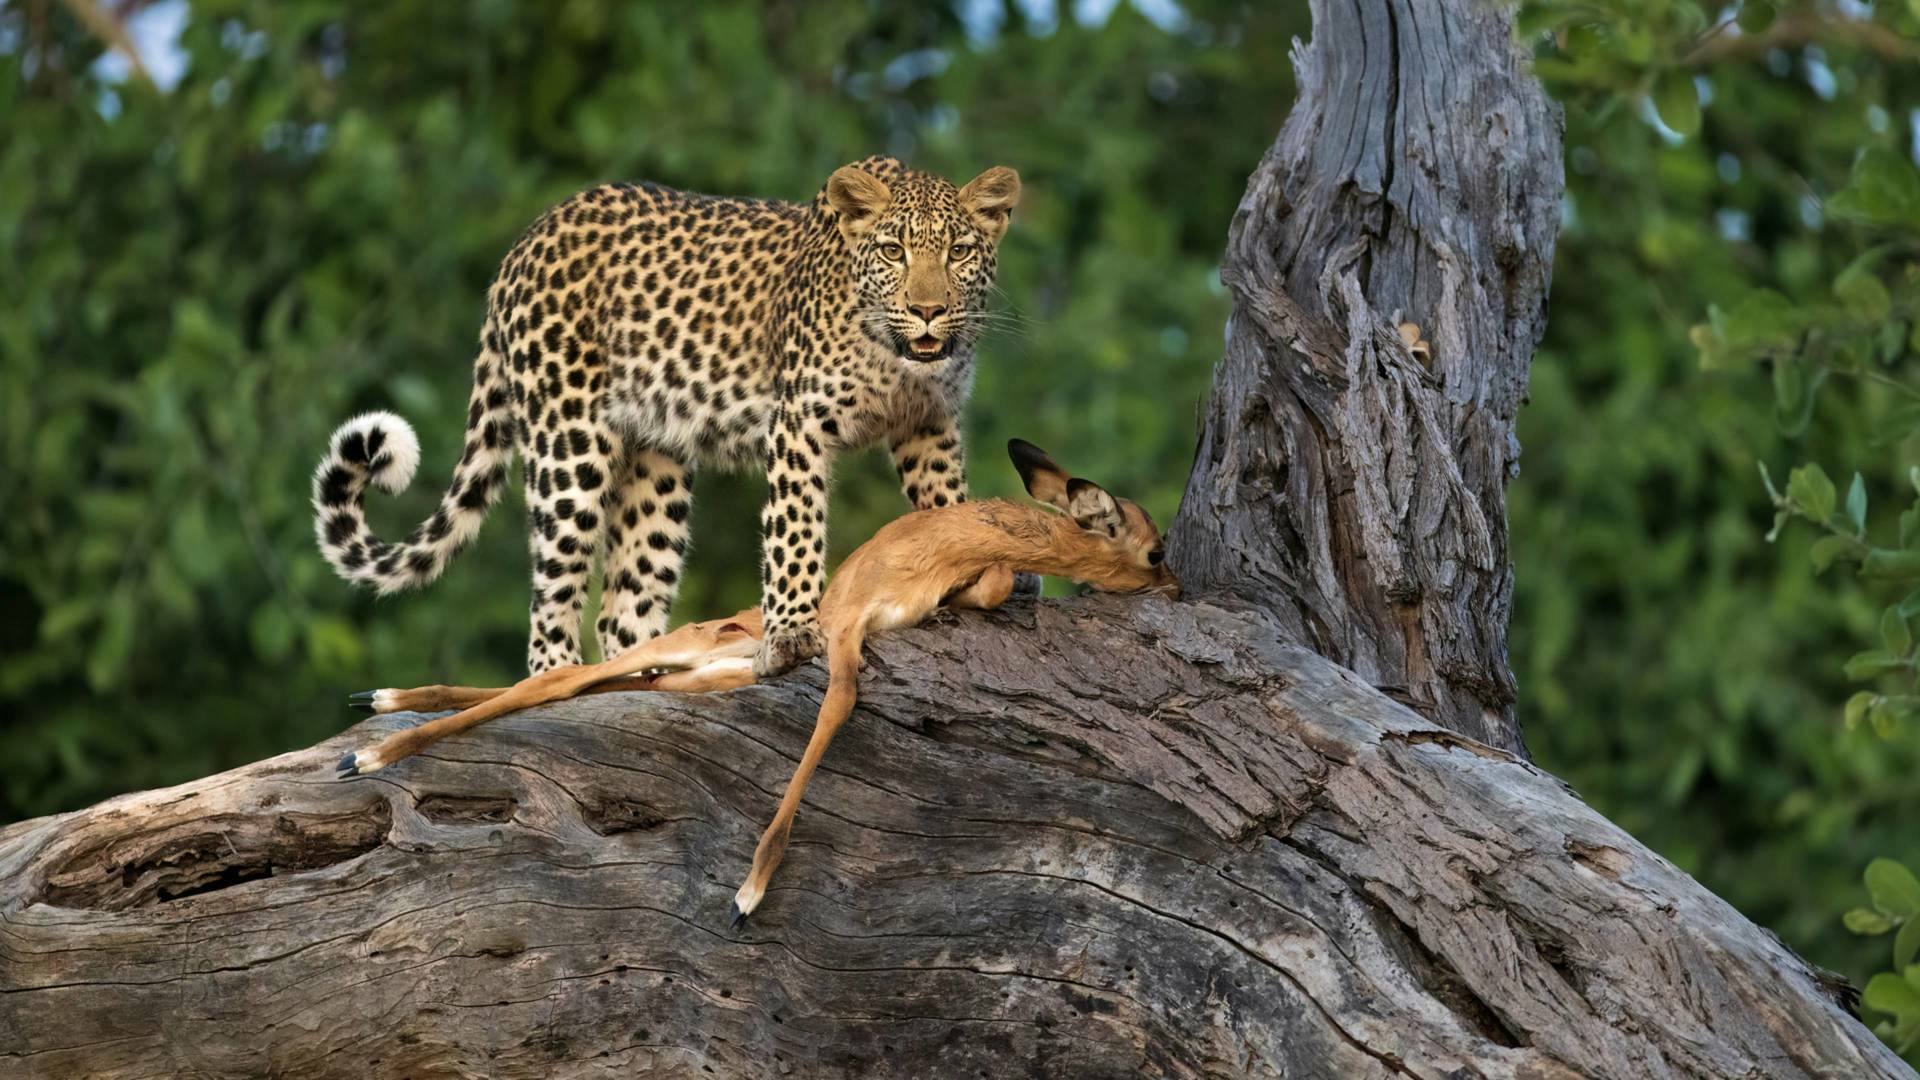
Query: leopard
(635, 334)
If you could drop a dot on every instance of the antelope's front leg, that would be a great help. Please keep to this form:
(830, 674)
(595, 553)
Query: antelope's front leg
(793, 540)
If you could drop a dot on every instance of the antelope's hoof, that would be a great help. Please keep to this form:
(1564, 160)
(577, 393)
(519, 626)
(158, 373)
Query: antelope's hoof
(735, 917)
(358, 763)
(1026, 586)
(376, 701)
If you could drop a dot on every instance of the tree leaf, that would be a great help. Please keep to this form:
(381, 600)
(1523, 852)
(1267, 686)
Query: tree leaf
(1882, 716)
(1895, 632)
(1893, 888)
(1789, 386)
(1872, 664)
(1863, 921)
(1795, 394)
(1857, 707)
(1906, 945)
(1884, 189)
(1762, 321)
(1891, 564)
(67, 616)
(1811, 492)
(1754, 16)
(1827, 549)
(1892, 994)
(1677, 101)
(1857, 504)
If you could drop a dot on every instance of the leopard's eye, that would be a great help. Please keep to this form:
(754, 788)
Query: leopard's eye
(961, 252)
(892, 252)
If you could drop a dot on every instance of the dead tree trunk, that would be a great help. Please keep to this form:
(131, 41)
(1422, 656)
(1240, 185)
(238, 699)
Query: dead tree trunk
(1103, 837)
(1345, 485)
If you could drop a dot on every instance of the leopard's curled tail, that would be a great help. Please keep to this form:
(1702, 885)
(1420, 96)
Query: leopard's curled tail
(381, 449)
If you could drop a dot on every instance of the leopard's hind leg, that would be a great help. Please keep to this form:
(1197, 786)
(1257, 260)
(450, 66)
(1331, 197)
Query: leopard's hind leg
(568, 473)
(648, 524)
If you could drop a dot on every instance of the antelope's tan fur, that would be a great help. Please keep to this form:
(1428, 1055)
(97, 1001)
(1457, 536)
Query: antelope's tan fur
(964, 555)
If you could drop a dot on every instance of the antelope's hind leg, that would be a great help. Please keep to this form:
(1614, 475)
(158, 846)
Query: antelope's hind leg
(422, 699)
(704, 655)
(988, 591)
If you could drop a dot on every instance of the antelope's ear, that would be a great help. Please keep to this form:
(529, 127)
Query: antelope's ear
(1093, 509)
(858, 197)
(1044, 480)
(990, 198)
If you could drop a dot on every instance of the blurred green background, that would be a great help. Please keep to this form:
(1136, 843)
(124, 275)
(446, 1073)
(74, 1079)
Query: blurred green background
(291, 213)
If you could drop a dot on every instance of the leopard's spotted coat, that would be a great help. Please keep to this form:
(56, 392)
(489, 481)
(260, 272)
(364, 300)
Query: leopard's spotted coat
(635, 332)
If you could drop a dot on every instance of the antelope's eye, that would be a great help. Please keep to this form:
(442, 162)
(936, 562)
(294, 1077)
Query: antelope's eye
(961, 252)
(892, 252)
(1154, 557)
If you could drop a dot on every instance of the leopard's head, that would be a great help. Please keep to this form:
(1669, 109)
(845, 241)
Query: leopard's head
(923, 252)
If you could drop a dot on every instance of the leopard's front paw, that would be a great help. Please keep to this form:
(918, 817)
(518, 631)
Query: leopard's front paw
(787, 647)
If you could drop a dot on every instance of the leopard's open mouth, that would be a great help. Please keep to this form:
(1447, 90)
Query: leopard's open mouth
(927, 347)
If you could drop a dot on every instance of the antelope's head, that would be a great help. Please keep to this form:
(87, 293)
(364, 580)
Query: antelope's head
(1126, 554)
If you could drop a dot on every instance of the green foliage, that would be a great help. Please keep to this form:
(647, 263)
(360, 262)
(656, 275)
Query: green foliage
(1860, 332)
(1676, 671)
(1895, 894)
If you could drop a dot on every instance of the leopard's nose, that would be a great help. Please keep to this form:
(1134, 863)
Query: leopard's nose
(929, 312)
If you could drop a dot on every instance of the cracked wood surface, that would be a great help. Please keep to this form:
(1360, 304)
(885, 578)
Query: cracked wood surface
(1006, 867)
(1354, 490)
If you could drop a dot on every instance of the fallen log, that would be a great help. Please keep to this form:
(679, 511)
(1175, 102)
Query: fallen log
(1005, 867)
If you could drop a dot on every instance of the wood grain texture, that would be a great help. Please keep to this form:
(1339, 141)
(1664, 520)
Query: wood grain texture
(1006, 867)
(1352, 489)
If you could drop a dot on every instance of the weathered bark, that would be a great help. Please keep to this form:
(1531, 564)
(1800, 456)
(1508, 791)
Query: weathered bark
(1006, 867)
(1354, 491)
(1103, 837)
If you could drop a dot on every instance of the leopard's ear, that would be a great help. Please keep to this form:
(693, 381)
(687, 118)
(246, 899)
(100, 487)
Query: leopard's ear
(990, 198)
(1044, 480)
(1093, 509)
(859, 198)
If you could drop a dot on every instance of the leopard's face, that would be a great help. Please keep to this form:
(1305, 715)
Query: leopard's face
(923, 277)
(924, 256)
